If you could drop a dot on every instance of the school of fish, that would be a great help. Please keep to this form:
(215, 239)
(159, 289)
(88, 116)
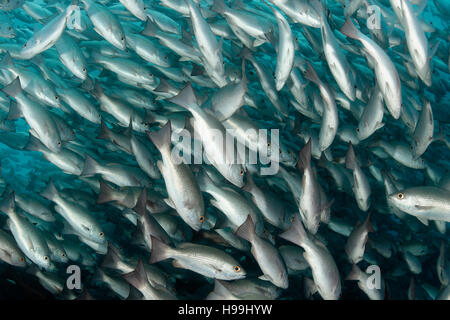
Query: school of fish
(96, 96)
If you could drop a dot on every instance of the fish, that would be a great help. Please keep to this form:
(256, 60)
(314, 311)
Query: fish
(386, 73)
(181, 185)
(225, 149)
(27, 236)
(323, 267)
(218, 265)
(48, 35)
(429, 203)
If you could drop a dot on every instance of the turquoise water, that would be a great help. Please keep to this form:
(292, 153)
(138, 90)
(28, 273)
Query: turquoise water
(28, 172)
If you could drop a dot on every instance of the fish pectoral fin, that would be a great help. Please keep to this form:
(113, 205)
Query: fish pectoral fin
(169, 202)
(264, 277)
(5, 253)
(216, 268)
(423, 207)
(423, 220)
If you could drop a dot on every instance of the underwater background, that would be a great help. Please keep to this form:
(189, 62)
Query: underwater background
(411, 254)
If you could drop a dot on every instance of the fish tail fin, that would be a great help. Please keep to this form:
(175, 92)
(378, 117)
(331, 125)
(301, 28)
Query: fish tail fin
(296, 233)
(197, 70)
(368, 224)
(111, 258)
(354, 273)
(37, 60)
(247, 229)
(90, 166)
(304, 158)
(50, 192)
(105, 194)
(150, 29)
(326, 213)
(350, 158)
(350, 30)
(138, 277)
(186, 98)
(160, 250)
(97, 90)
(322, 161)
(161, 138)
(13, 89)
(164, 86)
(141, 204)
(105, 132)
(311, 74)
(219, 6)
(87, 84)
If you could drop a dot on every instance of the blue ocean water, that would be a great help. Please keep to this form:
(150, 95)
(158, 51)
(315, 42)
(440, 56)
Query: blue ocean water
(414, 247)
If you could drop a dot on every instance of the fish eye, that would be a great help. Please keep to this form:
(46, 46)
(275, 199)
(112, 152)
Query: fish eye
(410, 147)
(237, 268)
(22, 259)
(268, 144)
(423, 160)
(357, 129)
(63, 255)
(165, 57)
(400, 195)
(242, 172)
(24, 45)
(46, 258)
(280, 151)
(101, 234)
(201, 219)
(122, 38)
(56, 97)
(84, 70)
(9, 28)
(59, 143)
(355, 86)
